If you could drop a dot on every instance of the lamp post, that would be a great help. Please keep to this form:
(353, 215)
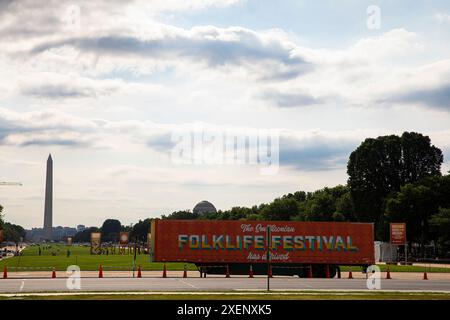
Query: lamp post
(134, 255)
(422, 240)
(268, 243)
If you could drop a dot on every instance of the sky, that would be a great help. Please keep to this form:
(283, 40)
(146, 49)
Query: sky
(104, 86)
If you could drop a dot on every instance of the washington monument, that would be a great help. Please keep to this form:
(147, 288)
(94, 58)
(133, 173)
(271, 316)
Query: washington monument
(48, 208)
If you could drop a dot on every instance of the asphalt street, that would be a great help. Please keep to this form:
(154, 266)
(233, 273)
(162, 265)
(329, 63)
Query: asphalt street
(213, 284)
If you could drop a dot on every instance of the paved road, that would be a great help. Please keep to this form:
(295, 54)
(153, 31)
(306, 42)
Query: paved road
(214, 284)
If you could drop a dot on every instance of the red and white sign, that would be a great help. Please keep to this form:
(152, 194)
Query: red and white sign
(398, 233)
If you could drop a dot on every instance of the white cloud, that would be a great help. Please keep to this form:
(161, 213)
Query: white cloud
(442, 17)
(105, 97)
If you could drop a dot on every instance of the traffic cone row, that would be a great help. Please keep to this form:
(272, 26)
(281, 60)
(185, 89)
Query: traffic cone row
(227, 275)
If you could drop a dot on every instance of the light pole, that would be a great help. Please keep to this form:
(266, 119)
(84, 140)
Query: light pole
(268, 243)
(422, 240)
(134, 255)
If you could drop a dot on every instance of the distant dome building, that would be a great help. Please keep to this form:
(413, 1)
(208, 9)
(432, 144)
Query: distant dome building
(204, 207)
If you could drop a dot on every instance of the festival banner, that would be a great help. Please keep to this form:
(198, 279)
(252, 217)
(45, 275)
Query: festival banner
(246, 241)
(96, 243)
(124, 238)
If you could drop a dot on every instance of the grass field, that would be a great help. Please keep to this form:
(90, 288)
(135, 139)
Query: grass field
(240, 296)
(56, 257)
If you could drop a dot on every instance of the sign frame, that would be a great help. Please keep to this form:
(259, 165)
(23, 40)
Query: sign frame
(96, 243)
(397, 233)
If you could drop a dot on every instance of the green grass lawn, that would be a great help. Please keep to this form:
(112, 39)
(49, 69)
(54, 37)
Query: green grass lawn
(80, 255)
(56, 257)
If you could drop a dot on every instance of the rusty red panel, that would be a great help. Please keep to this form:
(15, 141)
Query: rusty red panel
(245, 241)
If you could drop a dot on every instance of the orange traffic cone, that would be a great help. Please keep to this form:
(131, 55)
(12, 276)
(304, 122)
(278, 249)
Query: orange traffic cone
(227, 275)
(53, 273)
(350, 274)
(388, 274)
(139, 275)
(270, 272)
(250, 273)
(185, 272)
(425, 276)
(327, 272)
(164, 271)
(100, 271)
(5, 272)
(310, 273)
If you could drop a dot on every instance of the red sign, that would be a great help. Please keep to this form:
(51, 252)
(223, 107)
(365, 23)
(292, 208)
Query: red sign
(245, 241)
(398, 233)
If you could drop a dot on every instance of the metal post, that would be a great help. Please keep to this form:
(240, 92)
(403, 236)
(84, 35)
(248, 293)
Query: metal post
(422, 247)
(268, 243)
(134, 257)
(406, 254)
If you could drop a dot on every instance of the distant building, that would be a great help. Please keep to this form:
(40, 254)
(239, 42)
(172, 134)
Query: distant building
(204, 207)
(58, 234)
(81, 227)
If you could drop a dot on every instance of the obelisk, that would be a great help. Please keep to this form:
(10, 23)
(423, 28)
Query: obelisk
(48, 207)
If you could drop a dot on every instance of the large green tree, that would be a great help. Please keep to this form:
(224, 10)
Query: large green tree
(111, 229)
(379, 167)
(85, 235)
(1, 223)
(328, 204)
(414, 204)
(181, 215)
(13, 232)
(1, 217)
(280, 209)
(440, 227)
(141, 229)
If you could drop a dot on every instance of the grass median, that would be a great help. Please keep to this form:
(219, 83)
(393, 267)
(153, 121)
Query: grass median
(238, 296)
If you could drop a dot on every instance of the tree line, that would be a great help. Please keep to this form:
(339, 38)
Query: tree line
(11, 232)
(390, 179)
(111, 229)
